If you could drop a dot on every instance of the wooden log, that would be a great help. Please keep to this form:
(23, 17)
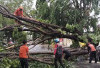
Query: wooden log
(14, 55)
(81, 52)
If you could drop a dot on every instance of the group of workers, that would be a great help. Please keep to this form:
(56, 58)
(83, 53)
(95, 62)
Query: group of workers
(58, 50)
(93, 49)
(23, 52)
(58, 53)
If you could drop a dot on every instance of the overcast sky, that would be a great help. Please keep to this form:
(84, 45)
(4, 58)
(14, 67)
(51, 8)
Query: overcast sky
(34, 3)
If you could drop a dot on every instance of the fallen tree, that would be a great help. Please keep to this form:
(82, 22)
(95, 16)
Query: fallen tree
(46, 29)
(50, 31)
(42, 59)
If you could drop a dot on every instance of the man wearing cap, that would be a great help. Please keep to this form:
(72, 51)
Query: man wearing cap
(19, 11)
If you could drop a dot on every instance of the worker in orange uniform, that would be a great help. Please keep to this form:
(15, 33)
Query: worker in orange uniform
(24, 55)
(92, 52)
(19, 12)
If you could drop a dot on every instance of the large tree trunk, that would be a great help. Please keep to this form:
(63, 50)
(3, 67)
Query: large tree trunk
(47, 58)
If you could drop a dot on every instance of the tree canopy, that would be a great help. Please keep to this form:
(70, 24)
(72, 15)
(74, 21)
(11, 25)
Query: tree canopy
(49, 19)
(70, 16)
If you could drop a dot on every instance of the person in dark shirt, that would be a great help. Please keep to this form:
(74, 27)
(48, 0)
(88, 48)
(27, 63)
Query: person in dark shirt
(58, 57)
(67, 54)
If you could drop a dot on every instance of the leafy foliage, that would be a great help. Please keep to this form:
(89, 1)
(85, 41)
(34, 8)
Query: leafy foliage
(68, 12)
(8, 63)
(38, 65)
(19, 36)
(1, 49)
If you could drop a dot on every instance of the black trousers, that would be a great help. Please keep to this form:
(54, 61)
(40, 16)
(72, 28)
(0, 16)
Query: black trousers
(24, 62)
(93, 55)
(59, 59)
(98, 55)
(99, 58)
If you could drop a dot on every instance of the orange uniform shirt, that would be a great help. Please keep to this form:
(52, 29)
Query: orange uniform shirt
(23, 51)
(92, 47)
(18, 12)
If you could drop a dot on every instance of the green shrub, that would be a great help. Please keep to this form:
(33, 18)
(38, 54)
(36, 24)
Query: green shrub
(14, 63)
(9, 63)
